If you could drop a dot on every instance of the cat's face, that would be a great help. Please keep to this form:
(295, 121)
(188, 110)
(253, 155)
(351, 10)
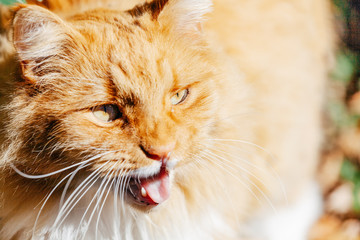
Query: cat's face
(134, 92)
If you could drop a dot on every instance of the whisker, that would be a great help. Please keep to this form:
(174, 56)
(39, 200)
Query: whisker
(122, 191)
(272, 157)
(240, 167)
(247, 187)
(71, 202)
(62, 199)
(247, 162)
(125, 184)
(55, 172)
(102, 205)
(246, 142)
(200, 164)
(69, 181)
(105, 180)
(72, 174)
(116, 197)
(45, 201)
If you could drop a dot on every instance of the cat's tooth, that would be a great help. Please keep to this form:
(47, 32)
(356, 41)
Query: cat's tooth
(143, 192)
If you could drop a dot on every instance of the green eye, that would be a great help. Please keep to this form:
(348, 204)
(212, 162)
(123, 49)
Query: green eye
(179, 97)
(106, 113)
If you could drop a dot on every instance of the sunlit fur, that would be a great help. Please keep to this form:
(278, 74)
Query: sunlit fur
(246, 138)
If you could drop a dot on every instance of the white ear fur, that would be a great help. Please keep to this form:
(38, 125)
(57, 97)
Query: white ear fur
(187, 14)
(37, 33)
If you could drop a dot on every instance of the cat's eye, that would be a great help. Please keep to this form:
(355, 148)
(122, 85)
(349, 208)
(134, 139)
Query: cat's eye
(179, 97)
(106, 113)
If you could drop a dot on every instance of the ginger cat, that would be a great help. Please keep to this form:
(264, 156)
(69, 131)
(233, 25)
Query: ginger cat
(165, 119)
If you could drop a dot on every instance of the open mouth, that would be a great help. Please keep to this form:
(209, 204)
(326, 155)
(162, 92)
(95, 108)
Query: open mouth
(152, 190)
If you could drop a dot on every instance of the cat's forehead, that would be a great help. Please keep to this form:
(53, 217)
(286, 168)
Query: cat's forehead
(135, 55)
(109, 29)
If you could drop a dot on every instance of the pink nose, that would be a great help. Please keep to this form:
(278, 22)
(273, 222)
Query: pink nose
(158, 152)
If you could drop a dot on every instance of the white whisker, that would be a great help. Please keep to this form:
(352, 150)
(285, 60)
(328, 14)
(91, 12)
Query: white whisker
(71, 202)
(272, 157)
(247, 187)
(224, 187)
(216, 156)
(102, 205)
(55, 172)
(45, 201)
(105, 180)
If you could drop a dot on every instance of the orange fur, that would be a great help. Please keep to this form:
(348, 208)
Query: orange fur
(255, 72)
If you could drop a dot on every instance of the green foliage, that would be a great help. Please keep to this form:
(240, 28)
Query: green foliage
(9, 2)
(350, 172)
(345, 69)
(340, 115)
(343, 7)
(345, 66)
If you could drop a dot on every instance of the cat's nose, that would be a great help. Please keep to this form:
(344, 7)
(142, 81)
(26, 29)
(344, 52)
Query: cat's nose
(158, 153)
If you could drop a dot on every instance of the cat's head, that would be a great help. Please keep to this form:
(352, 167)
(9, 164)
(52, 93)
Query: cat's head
(129, 94)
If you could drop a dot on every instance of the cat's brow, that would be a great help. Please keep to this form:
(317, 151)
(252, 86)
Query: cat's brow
(124, 97)
(129, 99)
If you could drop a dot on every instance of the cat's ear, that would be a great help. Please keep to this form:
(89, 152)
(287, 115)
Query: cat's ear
(185, 16)
(38, 35)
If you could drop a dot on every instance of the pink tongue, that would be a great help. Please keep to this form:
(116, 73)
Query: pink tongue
(157, 188)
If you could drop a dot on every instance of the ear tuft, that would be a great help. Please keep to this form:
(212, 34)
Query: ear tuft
(37, 33)
(39, 38)
(153, 8)
(184, 15)
(188, 13)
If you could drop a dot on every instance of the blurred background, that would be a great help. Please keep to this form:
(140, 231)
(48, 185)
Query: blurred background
(339, 169)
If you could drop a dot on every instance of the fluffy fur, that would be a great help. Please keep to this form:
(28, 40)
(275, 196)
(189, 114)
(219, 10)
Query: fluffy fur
(248, 133)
